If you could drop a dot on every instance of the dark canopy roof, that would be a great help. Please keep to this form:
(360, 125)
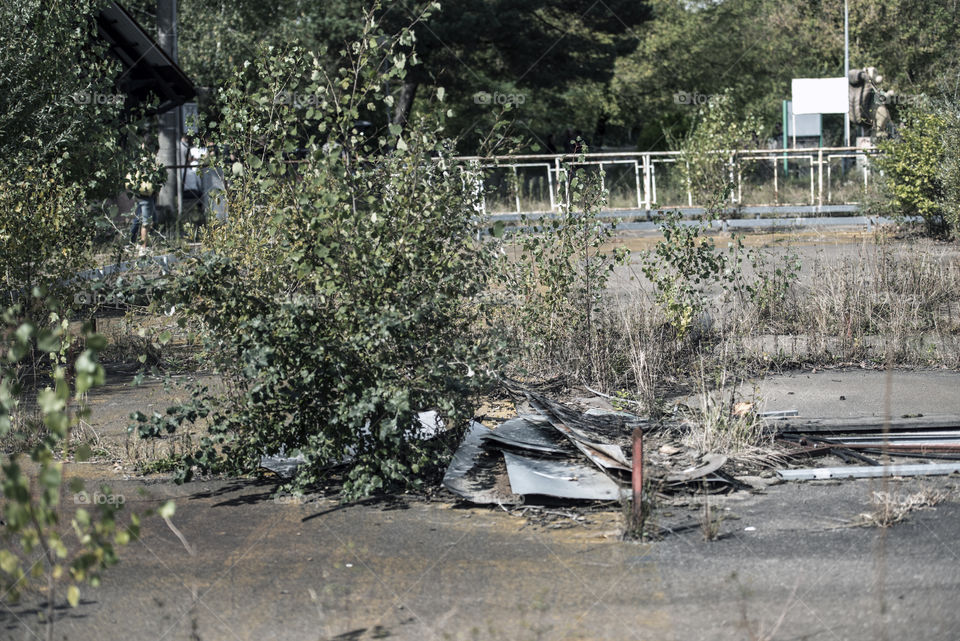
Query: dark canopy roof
(149, 74)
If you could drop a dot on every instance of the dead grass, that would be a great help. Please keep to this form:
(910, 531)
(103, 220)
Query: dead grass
(710, 519)
(891, 301)
(890, 508)
(726, 422)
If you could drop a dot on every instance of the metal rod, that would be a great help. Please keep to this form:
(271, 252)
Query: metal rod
(820, 178)
(846, 66)
(637, 475)
(858, 472)
(776, 186)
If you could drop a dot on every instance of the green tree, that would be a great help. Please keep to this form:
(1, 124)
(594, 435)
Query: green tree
(747, 48)
(60, 141)
(40, 550)
(919, 166)
(340, 296)
(914, 44)
(57, 102)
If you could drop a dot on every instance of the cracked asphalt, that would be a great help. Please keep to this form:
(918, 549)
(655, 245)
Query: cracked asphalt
(791, 562)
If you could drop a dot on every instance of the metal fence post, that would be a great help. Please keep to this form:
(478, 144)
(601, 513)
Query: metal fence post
(637, 476)
(820, 178)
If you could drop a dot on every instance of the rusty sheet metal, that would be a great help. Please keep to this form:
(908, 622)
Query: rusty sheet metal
(530, 432)
(559, 478)
(709, 463)
(609, 427)
(478, 474)
(605, 455)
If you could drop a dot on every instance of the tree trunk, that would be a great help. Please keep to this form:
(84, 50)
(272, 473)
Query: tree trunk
(401, 110)
(600, 131)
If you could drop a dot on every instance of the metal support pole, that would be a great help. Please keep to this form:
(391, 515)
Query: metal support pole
(637, 477)
(733, 199)
(553, 202)
(776, 186)
(169, 138)
(846, 67)
(653, 181)
(516, 187)
(556, 164)
(830, 182)
(636, 175)
(820, 177)
(739, 181)
(646, 182)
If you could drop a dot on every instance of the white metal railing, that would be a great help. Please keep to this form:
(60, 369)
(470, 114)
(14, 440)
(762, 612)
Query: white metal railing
(646, 166)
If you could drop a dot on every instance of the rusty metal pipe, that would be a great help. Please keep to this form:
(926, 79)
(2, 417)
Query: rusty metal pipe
(637, 475)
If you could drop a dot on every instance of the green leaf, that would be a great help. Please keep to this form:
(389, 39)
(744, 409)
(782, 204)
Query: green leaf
(82, 454)
(73, 596)
(167, 510)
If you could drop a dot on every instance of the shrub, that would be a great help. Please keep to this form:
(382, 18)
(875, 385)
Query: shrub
(339, 297)
(552, 276)
(705, 157)
(912, 165)
(39, 551)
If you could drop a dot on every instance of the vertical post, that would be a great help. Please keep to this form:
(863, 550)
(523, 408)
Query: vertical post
(553, 203)
(169, 138)
(733, 199)
(689, 186)
(846, 67)
(483, 189)
(776, 186)
(653, 180)
(516, 187)
(813, 199)
(830, 183)
(820, 177)
(646, 182)
(636, 175)
(786, 133)
(556, 164)
(637, 477)
(739, 181)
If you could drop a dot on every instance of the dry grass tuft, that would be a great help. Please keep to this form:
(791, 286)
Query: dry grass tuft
(722, 424)
(890, 508)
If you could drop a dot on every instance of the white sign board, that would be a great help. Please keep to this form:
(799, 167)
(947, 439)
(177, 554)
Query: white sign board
(802, 125)
(820, 95)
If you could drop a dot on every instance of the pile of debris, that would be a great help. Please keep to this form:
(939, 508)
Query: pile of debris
(557, 451)
(859, 441)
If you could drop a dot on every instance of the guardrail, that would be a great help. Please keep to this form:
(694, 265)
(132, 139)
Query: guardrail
(767, 182)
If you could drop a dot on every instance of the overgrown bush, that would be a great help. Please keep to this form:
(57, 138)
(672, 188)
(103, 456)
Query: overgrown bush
(707, 150)
(921, 167)
(339, 297)
(39, 550)
(688, 270)
(552, 279)
(60, 142)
